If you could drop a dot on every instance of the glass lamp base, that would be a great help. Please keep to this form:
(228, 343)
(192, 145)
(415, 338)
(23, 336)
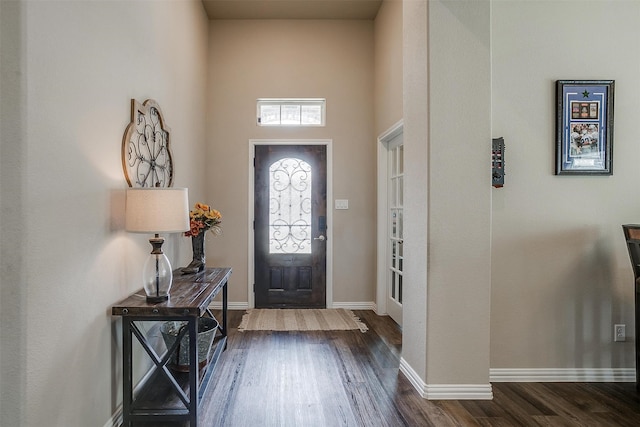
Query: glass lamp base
(157, 299)
(156, 274)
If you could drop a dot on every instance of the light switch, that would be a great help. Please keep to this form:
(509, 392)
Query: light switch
(342, 204)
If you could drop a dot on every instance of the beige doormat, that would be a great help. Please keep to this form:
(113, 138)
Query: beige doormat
(333, 319)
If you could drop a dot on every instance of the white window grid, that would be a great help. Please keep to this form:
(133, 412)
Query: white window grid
(291, 112)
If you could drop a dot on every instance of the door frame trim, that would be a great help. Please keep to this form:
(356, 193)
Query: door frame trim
(251, 299)
(383, 198)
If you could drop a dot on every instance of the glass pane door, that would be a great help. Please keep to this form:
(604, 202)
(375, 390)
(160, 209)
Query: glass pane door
(395, 215)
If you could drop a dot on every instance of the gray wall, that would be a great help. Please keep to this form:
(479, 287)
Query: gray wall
(447, 193)
(459, 256)
(561, 276)
(559, 273)
(69, 71)
(332, 59)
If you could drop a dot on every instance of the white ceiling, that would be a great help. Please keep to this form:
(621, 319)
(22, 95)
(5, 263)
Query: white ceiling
(292, 9)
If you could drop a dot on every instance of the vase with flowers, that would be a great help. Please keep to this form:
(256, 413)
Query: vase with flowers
(202, 219)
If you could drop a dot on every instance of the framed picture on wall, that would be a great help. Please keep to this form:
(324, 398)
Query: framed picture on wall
(584, 127)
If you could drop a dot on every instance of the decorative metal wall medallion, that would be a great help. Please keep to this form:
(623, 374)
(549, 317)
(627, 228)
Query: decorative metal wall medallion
(146, 156)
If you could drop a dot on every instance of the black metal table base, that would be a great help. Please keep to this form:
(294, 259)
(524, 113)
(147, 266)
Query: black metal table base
(167, 394)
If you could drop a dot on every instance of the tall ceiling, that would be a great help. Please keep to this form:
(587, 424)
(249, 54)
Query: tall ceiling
(292, 9)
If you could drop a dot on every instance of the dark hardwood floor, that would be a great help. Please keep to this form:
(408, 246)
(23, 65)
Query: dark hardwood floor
(349, 378)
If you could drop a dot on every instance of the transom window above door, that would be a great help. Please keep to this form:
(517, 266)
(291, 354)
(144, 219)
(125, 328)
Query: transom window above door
(291, 111)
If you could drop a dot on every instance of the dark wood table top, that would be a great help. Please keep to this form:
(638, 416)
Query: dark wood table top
(190, 295)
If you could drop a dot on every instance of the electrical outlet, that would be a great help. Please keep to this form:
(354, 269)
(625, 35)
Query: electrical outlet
(619, 333)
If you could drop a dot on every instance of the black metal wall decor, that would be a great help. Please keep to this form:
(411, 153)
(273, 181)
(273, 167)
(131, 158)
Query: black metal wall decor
(146, 155)
(497, 162)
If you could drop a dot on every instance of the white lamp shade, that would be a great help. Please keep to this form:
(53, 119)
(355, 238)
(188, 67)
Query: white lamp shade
(157, 210)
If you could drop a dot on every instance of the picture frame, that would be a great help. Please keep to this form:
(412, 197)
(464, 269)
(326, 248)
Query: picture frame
(584, 127)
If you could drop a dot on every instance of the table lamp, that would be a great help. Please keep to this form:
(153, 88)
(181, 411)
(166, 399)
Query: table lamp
(155, 211)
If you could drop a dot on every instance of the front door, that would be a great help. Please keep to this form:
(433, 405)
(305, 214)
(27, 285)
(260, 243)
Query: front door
(290, 203)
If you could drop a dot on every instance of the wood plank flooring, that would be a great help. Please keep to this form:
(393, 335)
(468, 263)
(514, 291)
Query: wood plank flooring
(347, 378)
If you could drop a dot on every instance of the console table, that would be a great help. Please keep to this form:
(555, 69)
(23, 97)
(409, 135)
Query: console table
(166, 394)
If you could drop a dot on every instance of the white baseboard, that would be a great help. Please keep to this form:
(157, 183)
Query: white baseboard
(459, 392)
(116, 419)
(412, 376)
(607, 375)
(370, 305)
(217, 305)
(445, 391)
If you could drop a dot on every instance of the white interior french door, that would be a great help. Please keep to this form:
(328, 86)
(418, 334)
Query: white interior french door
(390, 257)
(395, 225)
